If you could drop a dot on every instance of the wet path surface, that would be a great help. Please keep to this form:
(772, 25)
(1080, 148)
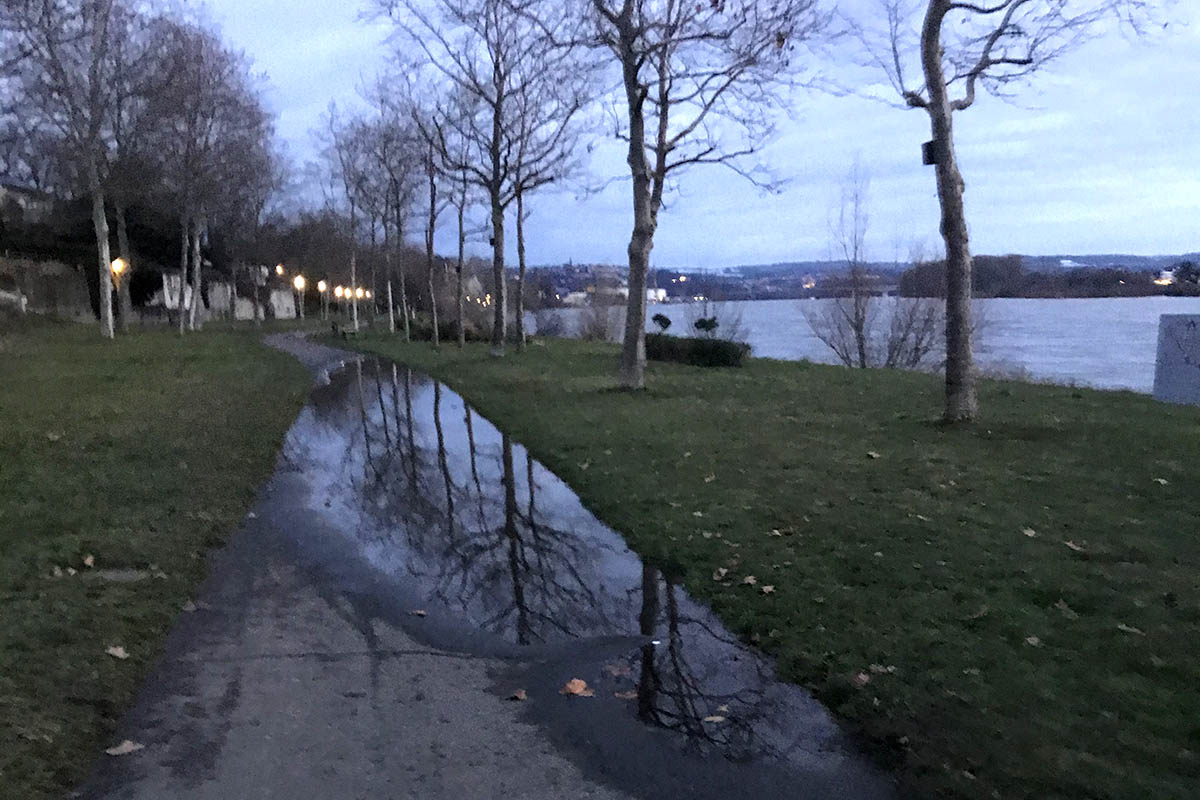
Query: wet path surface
(457, 570)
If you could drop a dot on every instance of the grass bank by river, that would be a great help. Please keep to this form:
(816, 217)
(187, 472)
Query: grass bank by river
(1007, 610)
(141, 454)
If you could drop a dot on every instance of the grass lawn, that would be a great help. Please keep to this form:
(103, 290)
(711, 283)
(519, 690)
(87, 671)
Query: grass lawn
(141, 453)
(1010, 609)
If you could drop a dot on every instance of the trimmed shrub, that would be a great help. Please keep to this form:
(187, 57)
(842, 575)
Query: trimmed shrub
(695, 351)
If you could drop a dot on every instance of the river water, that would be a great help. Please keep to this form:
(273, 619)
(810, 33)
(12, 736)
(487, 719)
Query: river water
(1107, 343)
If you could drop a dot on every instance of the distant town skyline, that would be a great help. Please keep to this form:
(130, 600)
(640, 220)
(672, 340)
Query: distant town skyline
(1100, 155)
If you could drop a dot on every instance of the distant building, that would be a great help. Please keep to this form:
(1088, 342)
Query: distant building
(23, 205)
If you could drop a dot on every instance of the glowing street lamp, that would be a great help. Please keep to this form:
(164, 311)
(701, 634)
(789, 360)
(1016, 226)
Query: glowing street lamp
(300, 283)
(338, 291)
(279, 269)
(119, 268)
(359, 293)
(322, 289)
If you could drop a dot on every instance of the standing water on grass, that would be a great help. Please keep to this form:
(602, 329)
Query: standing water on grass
(458, 517)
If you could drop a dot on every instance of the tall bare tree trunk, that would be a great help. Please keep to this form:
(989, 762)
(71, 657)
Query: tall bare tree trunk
(103, 255)
(962, 403)
(391, 305)
(353, 266)
(633, 350)
(429, 231)
(458, 269)
(183, 272)
(233, 292)
(124, 297)
(194, 321)
(520, 318)
(500, 296)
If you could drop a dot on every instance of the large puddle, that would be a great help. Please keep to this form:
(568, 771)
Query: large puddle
(464, 525)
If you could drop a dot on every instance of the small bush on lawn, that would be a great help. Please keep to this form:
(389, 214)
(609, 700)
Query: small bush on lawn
(697, 352)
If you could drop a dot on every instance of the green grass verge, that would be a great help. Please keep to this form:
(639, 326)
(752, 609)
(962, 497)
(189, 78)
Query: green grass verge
(1010, 609)
(142, 453)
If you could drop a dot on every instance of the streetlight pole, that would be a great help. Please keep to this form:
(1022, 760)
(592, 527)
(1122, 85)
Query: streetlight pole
(300, 283)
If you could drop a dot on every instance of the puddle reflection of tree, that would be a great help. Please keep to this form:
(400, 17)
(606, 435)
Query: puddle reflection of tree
(468, 537)
(688, 695)
(481, 545)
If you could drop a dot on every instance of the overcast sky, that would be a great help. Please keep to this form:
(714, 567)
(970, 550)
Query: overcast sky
(1102, 155)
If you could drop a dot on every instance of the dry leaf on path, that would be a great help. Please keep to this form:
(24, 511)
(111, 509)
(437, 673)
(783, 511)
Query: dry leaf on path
(417, 612)
(627, 695)
(125, 748)
(519, 696)
(714, 718)
(577, 687)
(116, 651)
(618, 669)
(189, 607)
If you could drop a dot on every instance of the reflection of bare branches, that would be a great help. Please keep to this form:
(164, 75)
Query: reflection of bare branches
(528, 562)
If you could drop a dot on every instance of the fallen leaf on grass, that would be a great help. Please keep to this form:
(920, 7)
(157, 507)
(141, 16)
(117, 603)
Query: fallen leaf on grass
(417, 612)
(71, 571)
(768, 589)
(57, 571)
(584, 465)
(189, 607)
(53, 436)
(709, 478)
(577, 687)
(1066, 610)
(1130, 629)
(1161, 481)
(862, 679)
(519, 696)
(714, 718)
(719, 574)
(116, 651)
(1073, 546)
(89, 561)
(872, 454)
(749, 580)
(125, 748)
(880, 669)
(697, 513)
(774, 532)
(1033, 641)
(1030, 532)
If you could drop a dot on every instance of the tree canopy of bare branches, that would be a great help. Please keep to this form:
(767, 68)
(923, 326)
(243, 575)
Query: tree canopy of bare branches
(958, 47)
(504, 119)
(699, 84)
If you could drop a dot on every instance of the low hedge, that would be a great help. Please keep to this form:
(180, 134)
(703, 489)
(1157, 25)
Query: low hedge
(700, 352)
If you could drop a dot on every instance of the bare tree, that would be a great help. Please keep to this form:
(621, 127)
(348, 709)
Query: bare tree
(862, 328)
(845, 324)
(699, 80)
(496, 55)
(212, 128)
(64, 52)
(996, 45)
